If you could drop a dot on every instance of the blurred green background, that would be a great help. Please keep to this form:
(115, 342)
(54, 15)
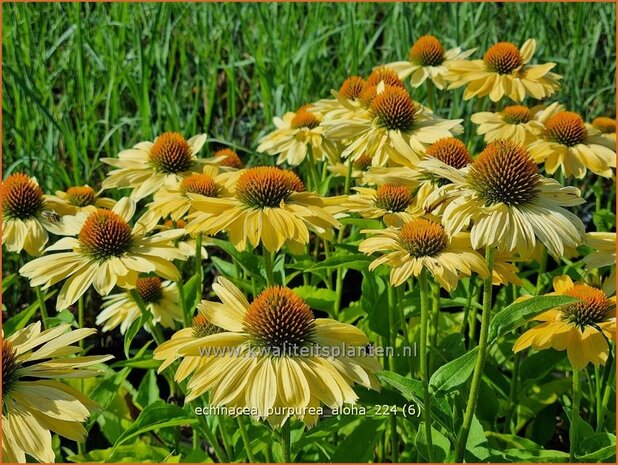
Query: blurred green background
(83, 81)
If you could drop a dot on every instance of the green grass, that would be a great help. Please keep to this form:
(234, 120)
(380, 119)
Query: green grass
(83, 81)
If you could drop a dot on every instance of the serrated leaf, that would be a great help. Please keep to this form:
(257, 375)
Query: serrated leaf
(518, 313)
(454, 373)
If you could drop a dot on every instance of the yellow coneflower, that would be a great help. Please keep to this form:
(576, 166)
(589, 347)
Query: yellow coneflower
(186, 244)
(424, 244)
(506, 202)
(228, 158)
(566, 142)
(359, 167)
(148, 166)
(606, 125)
(275, 358)
(168, 351)
(580, 328)
(346, 101)
(107, 251)
(504, 70)
(26, 218)
(268, 206)
(77, 199)
(159, 298)
(428, 60)
(392, 128)
(295, 133)
(604, 244)
(34, 402)
(392, 203)
(173, 201)
(515, 122)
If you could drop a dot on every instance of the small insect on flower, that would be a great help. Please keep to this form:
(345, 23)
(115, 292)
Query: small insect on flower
(268, 206)
(423, 244)
(428, 60)
(149, 165)
(34, 402)
(275, 358)
(505, 70)
(506, 202)
(581, 328)
(26, 217)
(568, 143)
(107, 251)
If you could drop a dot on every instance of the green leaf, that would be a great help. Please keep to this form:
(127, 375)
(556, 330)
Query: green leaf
(154, 417)
(317, 298)
(133, 330)
(600, 447)
(518, 313)
(358, 446)
(8, 281)
(135, 453)
(441, 445)
(454, 373)
(190, 290)
(604, 220)
(19, 321)
(374, 300)
(358, 262)
(362, 223)
(148, 391)
(250, 262)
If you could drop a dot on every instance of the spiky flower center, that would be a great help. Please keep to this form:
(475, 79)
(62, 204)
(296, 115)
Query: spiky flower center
(10, 364)
(503, 58)
(363, 162)
(23, 198)
(504, 173)
(231, 158)
(279, 319)
(451, 151)
(352, 87)
(566, 128)
(267, 186)
(171, 154)
(394, 109)
(427, 51)
(305, 119)
(393, 198)
(423, 238)
(386, 75)
(590, 310)
(367, 95)
(199, 183)
(105, 234)
(202, 327)
(149, 289)
(604, 124)
(516, 114)
(81, 196)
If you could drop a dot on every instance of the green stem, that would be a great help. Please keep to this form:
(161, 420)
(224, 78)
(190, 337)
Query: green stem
(268, 266)
(154, 329)
(313, 172)
(198, 269)
(480, 360)
(392, 332)
(542, 268)
(286, 441)
(42, 306)
(186, 317)
(433, 325)
(430, 96)
(609, 373)
(242, 426)
(210, 437)
(404, 324)
(574, 431)
(424, 368)
(512, 394)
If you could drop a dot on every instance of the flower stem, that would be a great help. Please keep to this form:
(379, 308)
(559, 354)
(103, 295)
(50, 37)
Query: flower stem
(542, 268)
(198, 268)
(242, 426)
(433, 324)
(610, 372)
(210, 437)
(404, 324)
(268, 266)
(154, 330)
(392, 332)
(480, 360)
(512, 394)
(42, 306)
(574, 431)
(313, 172)
(286, 441)
(424, 368)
